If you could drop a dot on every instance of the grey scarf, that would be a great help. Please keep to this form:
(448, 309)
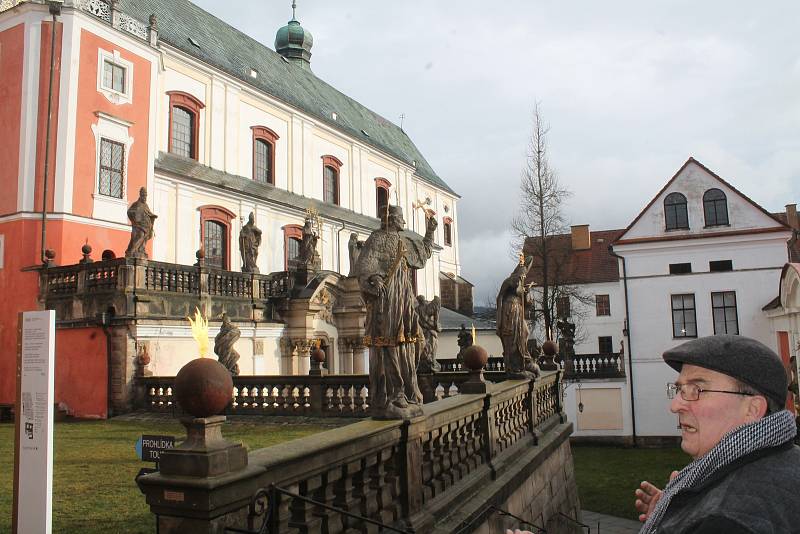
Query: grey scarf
(771, 431)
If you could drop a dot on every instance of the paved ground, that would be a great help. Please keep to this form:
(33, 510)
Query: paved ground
(609, 524)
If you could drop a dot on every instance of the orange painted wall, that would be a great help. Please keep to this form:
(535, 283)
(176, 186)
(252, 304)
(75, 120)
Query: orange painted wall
(18, 291)
(12, 50)
(82, 372)
(44, 88)
(90, 101)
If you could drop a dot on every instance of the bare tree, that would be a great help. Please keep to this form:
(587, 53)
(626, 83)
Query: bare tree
(538, 222)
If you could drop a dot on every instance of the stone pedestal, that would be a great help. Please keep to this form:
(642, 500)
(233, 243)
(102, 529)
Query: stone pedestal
(205, 453)
(475, 383)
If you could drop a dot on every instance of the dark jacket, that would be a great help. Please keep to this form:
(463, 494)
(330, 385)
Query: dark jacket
(759, 493)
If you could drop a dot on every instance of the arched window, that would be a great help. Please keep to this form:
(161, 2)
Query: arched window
(292, 237)
(448, 231)
(382, 186)
(184, 123)
(215, 235)
(264, 141)
(675, 214)
(715, 207)
(330, 179)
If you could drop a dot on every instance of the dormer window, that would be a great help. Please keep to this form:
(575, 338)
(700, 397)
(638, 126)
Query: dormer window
(715, 208)
(676, 216)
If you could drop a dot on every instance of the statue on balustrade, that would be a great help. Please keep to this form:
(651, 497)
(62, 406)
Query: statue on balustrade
(249, 241)
(142, 220)
(228, 335)
(464, 341)
(512, 328)
(566, 339)
(354, 249)
(392, 329)
(308, 257)
(428, 312)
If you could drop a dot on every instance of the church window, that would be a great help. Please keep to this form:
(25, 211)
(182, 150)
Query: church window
(112, 158)
(448, 231)
(184, 121)
(330, 179)
(264, 141)
(382, 186)
(215, 232)
(292, 238)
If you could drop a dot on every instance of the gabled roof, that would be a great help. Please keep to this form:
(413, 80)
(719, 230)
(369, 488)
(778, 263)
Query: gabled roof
(689, 161)
(590, 266)
(226, 48)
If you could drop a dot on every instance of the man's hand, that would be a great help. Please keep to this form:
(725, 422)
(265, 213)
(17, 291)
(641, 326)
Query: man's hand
(647, 497)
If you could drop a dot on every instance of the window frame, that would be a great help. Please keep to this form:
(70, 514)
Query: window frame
(121, 170)
(270, 138)
(675, 206)
(381, 184)
(563, 303)
(223, 216)
(602, 305)
(600, 341)
(724, 309)
(193, 106)
(447, 231)
(290, 231)
(114, 58)
(335, 165)
(716, 203)
(676, 334)
(117, 130)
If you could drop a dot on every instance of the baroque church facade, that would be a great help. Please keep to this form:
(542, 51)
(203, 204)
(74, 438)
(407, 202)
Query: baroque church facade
(215, 126)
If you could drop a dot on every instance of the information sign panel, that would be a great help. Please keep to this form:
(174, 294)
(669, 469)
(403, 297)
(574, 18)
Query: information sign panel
(33, 453)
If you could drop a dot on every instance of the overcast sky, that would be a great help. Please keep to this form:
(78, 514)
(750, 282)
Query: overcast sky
(630, 90)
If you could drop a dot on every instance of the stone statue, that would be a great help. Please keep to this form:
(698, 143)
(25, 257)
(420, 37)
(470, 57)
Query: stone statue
(228, 335)
(464, 341)
(142, 220)
(309, 257)
(354, 248)
(512, 329)
(249, 241)
(428, 312)
(392, 328)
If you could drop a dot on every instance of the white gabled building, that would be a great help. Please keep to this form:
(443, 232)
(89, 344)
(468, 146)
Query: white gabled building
(700, 259)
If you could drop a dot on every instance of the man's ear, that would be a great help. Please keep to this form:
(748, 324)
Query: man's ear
(757, 407)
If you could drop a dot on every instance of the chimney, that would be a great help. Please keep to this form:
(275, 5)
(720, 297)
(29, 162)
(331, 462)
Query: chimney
(581, 238)
(791, 216)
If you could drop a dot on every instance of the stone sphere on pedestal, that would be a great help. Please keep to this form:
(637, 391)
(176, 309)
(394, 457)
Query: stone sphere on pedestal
(549, 348)
(475, 357)
(203, 387)
(318, 355)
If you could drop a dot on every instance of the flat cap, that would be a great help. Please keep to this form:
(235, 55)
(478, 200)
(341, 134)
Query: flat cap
(742, 358)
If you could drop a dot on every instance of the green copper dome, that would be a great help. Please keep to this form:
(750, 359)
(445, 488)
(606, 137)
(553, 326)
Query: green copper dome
(294, 43)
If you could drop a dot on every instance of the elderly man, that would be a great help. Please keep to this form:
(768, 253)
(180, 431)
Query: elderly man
(729, 398)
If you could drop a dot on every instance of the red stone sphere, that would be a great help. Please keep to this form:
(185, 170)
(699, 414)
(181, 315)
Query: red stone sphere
(318, 355)
(475, 357)
(203, 387)
(549, 347)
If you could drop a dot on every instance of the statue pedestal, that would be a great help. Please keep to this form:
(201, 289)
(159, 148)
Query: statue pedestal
(204, 453)
(475, 383)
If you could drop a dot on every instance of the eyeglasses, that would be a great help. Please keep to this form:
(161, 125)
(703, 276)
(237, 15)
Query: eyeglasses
(691, 392)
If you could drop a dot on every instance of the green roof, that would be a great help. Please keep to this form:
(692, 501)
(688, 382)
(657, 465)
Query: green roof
(228, 49)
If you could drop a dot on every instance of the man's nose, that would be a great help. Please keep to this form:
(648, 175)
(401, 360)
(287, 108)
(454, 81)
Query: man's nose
(677, 403)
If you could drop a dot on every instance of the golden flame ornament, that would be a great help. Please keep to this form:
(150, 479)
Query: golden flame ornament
(200, 332)
(474, 334)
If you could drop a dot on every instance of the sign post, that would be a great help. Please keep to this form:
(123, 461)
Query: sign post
(33, 427)
(149, 449)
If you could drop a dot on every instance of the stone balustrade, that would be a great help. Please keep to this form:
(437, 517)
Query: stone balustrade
(585, 366)
(125, 288)
(440, 472)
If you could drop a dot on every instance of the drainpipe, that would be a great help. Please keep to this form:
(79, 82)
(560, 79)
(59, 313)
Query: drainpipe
(103, 320)
(339, 249)
(55, 10)
(630, 350)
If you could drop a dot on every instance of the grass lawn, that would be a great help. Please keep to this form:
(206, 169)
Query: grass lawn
(95, 464)
(608, 476)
